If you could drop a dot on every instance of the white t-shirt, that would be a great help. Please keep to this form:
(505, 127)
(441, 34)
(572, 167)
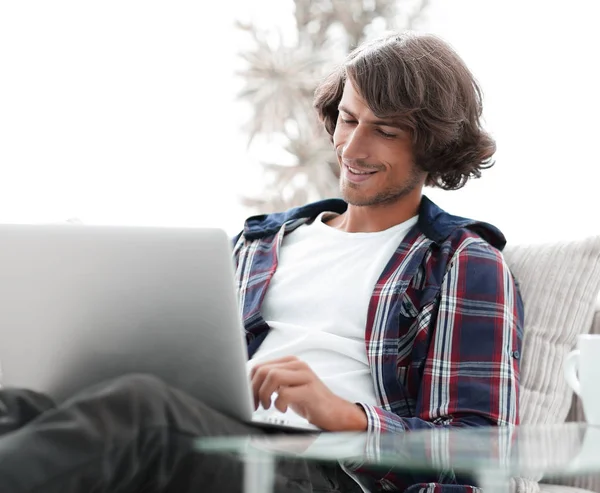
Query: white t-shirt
(317, 301)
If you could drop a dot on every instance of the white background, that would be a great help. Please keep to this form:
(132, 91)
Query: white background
(124, 112)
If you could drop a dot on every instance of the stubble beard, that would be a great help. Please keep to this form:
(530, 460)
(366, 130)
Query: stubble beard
(351, 192)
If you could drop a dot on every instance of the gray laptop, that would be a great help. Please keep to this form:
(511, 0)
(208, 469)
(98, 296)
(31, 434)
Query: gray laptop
(83, 304)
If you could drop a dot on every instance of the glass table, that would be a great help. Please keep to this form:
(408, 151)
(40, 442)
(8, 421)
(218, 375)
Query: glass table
(490, 455)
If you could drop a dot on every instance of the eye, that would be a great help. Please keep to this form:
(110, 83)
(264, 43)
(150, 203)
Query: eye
(386, 134)
(345, 120)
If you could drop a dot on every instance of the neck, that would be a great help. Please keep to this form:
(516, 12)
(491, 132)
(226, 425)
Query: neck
(372, 219)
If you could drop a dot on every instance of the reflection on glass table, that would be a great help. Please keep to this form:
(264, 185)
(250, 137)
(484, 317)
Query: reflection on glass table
(490, 455)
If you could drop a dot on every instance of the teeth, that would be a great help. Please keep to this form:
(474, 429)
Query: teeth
(356, 172)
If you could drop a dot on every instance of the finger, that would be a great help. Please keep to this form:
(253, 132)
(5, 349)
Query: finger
(273, 380)
(283, 359)
(287, 360)
(292, 396)
(281, 404)
(260, 372)
(291, 361)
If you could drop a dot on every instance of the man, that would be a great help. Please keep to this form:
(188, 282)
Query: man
(379, 312)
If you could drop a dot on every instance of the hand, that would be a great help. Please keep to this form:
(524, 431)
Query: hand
(299, 388)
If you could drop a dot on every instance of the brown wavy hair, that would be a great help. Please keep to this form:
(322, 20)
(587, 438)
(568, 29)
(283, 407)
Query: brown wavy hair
(421, 82)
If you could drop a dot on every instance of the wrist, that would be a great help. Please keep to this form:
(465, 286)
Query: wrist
(356, 418)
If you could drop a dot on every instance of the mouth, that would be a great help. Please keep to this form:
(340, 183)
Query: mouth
(357, 175)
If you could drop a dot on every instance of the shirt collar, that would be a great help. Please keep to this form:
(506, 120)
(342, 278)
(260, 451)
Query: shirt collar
(434, 222)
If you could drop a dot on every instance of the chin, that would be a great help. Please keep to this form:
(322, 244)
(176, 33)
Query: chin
(358, 200)
(371, 200)
(356, 196)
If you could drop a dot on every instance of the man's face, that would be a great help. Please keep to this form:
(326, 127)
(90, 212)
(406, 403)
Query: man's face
(375, 156)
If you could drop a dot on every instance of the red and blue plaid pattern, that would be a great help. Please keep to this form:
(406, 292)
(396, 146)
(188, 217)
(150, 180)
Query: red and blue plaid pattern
(444, 325)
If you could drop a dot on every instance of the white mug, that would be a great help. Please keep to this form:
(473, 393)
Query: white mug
(582, 372)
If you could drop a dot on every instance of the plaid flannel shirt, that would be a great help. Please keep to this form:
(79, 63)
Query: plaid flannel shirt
(444, 326)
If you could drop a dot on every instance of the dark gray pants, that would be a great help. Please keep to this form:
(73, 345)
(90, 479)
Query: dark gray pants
(133, 434)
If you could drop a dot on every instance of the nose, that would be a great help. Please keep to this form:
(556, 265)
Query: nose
(356, 144)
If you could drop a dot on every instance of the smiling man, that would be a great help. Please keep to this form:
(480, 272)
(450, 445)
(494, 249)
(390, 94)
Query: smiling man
(379, 312)
(387, 146)
(377, 166)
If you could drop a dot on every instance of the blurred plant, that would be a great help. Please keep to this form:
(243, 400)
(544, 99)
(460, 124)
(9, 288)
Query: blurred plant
(280, 78)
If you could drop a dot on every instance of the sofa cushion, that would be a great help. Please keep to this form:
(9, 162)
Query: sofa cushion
(559, 283)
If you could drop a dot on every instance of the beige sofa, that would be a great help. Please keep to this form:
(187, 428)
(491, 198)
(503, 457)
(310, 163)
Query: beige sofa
(560, 285)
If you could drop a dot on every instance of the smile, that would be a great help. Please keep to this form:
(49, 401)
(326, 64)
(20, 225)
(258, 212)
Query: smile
(355, 175)
(355, 171)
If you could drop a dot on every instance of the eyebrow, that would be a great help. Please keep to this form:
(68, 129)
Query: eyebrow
(386, 123)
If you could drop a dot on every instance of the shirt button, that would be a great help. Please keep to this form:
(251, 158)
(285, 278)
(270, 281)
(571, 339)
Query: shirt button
(516, 354)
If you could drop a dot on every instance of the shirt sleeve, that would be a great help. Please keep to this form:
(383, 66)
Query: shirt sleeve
(236, 244)
(471, 372)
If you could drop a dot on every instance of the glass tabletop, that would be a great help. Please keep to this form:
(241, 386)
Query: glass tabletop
(517, 451)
